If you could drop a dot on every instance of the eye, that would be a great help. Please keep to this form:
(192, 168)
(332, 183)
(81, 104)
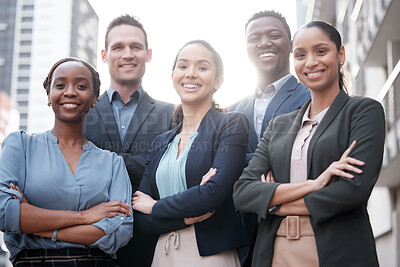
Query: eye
(320, 51)
(253, 39)
(299, 55)
(82, 86)
(116, 48)
(59, 85)
(182, 67)
(275, 36)
(202, 68)
(136, 48)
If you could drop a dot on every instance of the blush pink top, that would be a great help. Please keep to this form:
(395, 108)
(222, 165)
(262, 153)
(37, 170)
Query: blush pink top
(298, 166)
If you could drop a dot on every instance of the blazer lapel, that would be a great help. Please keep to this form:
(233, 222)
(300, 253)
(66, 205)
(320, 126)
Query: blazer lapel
(334, 109)
(143, 110)
(248, 110)
(278, 100)
(287, 146)
(104, 108)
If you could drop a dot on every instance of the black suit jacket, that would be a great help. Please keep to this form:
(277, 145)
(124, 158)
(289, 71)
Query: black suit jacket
(151, 119)
(221, 144)
(339, 211)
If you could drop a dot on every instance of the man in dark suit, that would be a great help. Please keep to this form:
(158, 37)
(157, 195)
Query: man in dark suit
(277, 91)
(126, 119)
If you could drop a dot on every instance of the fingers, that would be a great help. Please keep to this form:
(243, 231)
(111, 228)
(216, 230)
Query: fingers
(118, 207)
(347, 152)
(270, 177)
(263, 179)
(208, 175)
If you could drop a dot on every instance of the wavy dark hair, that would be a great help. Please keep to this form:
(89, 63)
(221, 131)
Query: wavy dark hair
(177, 116)
(95, 74)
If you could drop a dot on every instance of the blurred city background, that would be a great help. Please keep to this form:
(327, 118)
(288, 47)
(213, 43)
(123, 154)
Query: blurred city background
(36, 33)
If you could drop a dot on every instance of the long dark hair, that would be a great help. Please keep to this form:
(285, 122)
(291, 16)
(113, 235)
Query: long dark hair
(336, 38)
(177, 116)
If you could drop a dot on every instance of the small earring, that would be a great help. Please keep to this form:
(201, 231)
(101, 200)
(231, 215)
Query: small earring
(92, 106)
(49, 104)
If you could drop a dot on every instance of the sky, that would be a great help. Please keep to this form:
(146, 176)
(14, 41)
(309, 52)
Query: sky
(170, 24)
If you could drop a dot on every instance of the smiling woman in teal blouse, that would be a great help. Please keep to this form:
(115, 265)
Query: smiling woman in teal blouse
(63, 199)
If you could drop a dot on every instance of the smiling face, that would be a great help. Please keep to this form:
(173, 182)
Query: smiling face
(126, 56)
(268, 47)
(317, 60)
(194, 75)
(71, 91)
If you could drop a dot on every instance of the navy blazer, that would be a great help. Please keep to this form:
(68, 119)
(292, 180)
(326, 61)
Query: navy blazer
(151, 119)
(221, 144)
(338, 211)
(289, 98)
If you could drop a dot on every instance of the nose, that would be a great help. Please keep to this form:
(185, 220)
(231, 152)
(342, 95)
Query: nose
(70, 90)
(311, 62)
(127, 53)
(264, 42)
(191, 72)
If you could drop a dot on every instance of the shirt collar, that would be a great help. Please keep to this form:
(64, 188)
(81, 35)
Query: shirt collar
(111, 92)
(273, 87)
(317, 119)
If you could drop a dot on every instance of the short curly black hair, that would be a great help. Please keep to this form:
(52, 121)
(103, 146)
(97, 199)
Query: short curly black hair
(95, 74)
(270, 13)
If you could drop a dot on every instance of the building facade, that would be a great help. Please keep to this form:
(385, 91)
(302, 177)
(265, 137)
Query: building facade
(36, 34)
(371, 37)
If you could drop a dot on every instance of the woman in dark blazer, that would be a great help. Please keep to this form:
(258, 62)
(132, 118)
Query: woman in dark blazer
(193, 213)
(327, 204)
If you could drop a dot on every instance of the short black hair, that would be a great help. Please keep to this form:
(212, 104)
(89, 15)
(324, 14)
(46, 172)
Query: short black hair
(125, 20)
(95, 74)
(270, 13)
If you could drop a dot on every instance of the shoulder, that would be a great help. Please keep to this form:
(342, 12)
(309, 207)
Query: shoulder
(102, 155)
(220, 121)
(158, 103)
(361, 104)
(240, 105)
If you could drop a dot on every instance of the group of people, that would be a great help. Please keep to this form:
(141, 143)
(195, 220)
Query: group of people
(281, 178)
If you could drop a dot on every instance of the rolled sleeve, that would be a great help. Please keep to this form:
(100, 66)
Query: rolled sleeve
(119, 229)
(12, 170)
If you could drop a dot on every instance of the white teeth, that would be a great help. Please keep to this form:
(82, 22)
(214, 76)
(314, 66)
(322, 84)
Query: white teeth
(267, 55)
(128, 66)
(190, 86)
(314, 73)
(70, 105)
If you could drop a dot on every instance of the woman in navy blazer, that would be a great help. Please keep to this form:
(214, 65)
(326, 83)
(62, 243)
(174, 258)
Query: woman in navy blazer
(217, 151)
(327, 203)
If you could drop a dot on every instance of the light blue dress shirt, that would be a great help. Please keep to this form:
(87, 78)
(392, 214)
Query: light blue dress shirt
(37, 166)
(170, 174)
(123, 112)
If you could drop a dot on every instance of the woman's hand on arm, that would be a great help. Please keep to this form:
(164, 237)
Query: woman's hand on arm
(143, 202)
(289, 192)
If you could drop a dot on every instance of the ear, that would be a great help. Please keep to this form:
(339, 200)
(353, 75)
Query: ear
(104, 55)
(342, 55)
(48, 98)
(149, 54)
(218, 82)
(94, 100)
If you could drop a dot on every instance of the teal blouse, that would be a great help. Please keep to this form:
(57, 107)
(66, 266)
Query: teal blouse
(170, 174)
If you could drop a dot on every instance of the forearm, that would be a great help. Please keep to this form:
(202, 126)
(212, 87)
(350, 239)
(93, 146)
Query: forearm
(34, 219)
(297, 207)
(80, 234)
(289, 192)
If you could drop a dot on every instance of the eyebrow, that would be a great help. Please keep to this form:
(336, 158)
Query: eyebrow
(314, 46)
(198, 61)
